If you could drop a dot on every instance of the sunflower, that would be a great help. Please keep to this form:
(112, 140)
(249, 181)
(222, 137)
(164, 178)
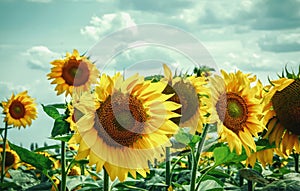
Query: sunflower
(74, 71)
(190, 93)
(124, 126)
(12, 159)
(265, 157)
(236, 108)
(20, 110)
(74, 171)
(282, 107)
(74, 113)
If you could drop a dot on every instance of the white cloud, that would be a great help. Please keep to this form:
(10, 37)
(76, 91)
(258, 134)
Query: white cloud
(108, 23)
(280, 42)
(39, 57)
(7, 88)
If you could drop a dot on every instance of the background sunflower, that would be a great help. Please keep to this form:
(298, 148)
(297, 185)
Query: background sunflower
(74, 71)
(190, 92)
(12, 159)
(20, 110)
(282, 111)
(236, 108)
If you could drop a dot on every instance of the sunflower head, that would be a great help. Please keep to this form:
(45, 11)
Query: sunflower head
(12, 159)
(20, 110)
(74, 71)
(74, 171)
(282, 107)
(186, 91)
(236, 109)
(125, 124)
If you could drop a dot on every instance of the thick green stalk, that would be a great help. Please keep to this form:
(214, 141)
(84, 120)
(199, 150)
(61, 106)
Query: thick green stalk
(196, 158)
(106, 181)
(4, 153)
(296, 157)
(250, 185)
(168, 167)
(82, 169)
(63, 166)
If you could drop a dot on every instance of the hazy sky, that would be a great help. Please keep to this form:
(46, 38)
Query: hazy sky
(260, 37)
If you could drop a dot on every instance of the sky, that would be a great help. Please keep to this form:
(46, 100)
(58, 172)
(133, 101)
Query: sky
(258, 37)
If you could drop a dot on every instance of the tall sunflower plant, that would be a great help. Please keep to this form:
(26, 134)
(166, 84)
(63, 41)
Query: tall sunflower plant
(18, 111)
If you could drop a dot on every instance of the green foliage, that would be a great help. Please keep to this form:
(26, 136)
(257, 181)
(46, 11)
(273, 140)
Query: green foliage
(222, 155)
(154, 78)
(9, 185)
(61, 126)
(210, 185)
(57, 146)
(51, 111)
(74, 182)
(65, 137)
(39, 161)
(185, 137)
(202, 70)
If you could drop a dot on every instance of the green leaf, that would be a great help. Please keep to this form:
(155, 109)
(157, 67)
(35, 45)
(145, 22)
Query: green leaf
(210, 185)
(263, 144)
(223, 155)
(9, 185)
(47, 148)
(51, 111)
(126, 184)
(39, 161)
(208, 177)
(284, 185)
(183, 136)
(195, 139)
(61, 127)
(44, 186)
(64, 138)
(59, 105)
(218, 173)
(76, 181)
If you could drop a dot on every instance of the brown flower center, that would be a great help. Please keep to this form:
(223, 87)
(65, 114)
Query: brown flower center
(186, 95)
(17, 109)
(120, 120)
(9, 158)
(75, 72)
(286, 104)
(73, 172)
(232, 110)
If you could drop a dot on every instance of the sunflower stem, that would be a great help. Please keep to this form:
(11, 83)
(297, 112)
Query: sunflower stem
(4, 152)
(296, 158)
(168, 168)
(250, 185)
(63, 166)
(106, 181)
(82, 169)
(195, 159)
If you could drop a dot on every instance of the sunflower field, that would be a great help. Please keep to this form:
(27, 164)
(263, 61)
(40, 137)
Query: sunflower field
(205, 130)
